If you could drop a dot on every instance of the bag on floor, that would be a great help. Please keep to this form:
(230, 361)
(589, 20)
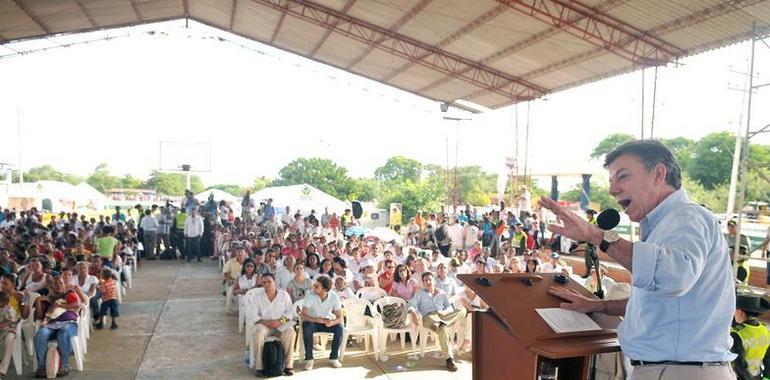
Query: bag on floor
(168, 254)
(273, 361)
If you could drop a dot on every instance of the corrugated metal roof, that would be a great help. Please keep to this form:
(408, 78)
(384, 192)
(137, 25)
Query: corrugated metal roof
(490, 52)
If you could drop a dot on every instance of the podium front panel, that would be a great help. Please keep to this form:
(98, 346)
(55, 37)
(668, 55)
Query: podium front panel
(514, 303)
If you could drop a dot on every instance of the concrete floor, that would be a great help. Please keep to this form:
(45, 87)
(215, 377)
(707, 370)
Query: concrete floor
(173, 325)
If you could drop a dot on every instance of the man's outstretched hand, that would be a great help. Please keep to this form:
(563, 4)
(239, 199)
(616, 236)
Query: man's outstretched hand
(574, 227)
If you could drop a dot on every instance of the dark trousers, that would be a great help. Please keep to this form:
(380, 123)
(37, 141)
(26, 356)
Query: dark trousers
(192, 247)
(150, 240)
(310, 328)
(177, 241)
(93, 303)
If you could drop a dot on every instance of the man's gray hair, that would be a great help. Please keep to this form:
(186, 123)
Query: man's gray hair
(651, 153)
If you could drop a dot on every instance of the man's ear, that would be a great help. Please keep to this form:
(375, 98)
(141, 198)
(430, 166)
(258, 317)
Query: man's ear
(660, 174)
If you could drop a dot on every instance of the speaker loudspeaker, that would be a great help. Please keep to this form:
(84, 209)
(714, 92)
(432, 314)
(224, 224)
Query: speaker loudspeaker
(357, 209)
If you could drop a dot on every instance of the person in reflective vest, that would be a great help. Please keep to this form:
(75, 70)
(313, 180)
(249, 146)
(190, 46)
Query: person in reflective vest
(750, 338)
(743, 271)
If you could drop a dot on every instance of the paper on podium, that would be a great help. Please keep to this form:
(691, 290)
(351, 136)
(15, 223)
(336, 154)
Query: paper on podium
(565, 321)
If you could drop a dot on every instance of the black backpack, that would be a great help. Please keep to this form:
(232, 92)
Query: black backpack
(273, 359)
(168, 254)
(440, 233)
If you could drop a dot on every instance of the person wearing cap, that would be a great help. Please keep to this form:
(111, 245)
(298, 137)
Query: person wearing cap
(750, 338)
(554, 264)
(519, 239)
(745, 248)
(682, 302)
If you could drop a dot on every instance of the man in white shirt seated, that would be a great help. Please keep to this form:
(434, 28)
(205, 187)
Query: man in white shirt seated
(272, 315)
(285, 273)
(322, 312)
(445, 283)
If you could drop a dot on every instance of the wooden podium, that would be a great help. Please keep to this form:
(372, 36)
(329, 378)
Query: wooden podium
(511, 340)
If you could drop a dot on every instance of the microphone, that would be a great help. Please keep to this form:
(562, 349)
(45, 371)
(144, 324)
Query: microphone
(607, 220)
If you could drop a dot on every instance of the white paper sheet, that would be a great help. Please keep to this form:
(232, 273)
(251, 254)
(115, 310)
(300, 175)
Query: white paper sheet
(564, 321)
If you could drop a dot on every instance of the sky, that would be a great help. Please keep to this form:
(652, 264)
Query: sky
(239, 110)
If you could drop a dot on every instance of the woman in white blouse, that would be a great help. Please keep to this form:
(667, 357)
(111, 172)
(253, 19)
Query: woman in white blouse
(248, 280)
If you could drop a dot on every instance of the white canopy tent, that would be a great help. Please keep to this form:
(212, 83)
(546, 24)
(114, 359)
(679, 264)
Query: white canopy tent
(88, 197)
(300, 197)
(56, 195)
(219, 195)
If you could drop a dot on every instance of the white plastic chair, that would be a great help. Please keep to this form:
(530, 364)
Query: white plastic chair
(384, 331)
(245, 309)
(424, 334)
(298, 305)
(126, 271)
(77, 350)
(371, 293)
(358, 323)
(84, 322)
(121, 292)
(28, 328)
(229, 300)
(17, 356)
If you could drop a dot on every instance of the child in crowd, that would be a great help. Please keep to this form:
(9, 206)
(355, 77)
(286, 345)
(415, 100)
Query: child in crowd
(8, 322)
(109, 289)
(342, 289)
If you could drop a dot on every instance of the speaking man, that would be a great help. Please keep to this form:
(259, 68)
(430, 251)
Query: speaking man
(678, 317)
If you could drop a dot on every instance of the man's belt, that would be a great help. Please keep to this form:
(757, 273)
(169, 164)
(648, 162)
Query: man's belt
(671, 362)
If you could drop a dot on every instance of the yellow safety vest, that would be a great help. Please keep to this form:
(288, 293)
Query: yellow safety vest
(180, 219)
(755, 340)
(745, 265)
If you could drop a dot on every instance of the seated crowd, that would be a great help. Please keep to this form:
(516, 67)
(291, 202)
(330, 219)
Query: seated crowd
(54, 276)
(310, 260)
(52, 273)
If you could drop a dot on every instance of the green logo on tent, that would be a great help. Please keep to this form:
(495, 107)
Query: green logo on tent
(305, 190)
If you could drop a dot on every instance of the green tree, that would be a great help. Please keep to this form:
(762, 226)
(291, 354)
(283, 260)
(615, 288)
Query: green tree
(48, 173)
(715, 199)
(233, 189)
(129, 182)
(682, 148)
(172, 183)
(713, 159)
(426, 195)
(102, 180)
(476, 185)
(260, 183)
(364, 189)
(322, 173)
(399, 168)
(609, 144)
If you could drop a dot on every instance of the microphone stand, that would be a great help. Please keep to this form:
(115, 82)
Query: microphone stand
(599, 291)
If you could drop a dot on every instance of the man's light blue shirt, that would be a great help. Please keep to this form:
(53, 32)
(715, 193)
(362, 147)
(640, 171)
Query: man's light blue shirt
(426, 303)
(683, 296)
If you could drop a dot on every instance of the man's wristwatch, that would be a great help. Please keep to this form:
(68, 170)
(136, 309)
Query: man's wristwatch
(608, 238)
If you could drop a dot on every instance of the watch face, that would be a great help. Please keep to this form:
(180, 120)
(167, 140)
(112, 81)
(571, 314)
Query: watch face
(611, 236)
